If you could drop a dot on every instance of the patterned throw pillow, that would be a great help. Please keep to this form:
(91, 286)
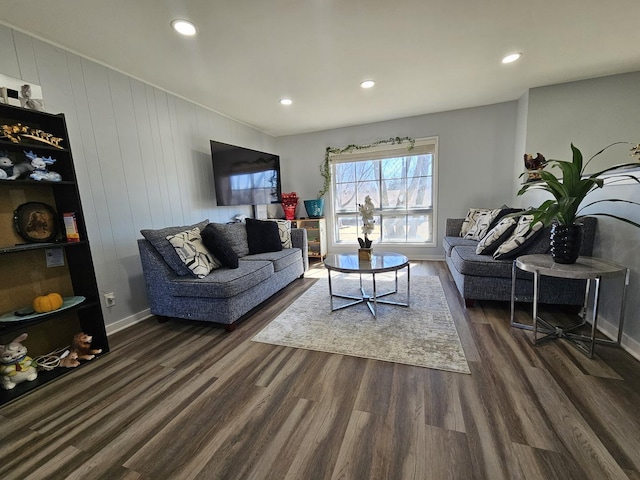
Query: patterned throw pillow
(284, 230)
(481, 225)
(158, 238)
(520, 239)
(496, 236)
(472, 216)
(192, 252)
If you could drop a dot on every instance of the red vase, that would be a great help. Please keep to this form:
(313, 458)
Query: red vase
(289, 211)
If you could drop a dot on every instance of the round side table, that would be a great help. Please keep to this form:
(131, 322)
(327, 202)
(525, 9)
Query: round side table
(590, 269)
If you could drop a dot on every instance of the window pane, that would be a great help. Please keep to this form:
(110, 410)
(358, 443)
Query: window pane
(420, 165)
(345, 197)
(419, 228)
(347, 231)
(394, 229)
(393, 167)
(345, 172)
(366, 170)
(419, 193)
(368, 188)
(394, 193)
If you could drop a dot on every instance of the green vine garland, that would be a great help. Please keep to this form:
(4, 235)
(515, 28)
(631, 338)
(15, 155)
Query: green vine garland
(325, 166)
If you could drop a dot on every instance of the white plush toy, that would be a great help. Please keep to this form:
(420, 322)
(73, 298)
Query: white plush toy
(6, 166)
(39, 166)
(15, 366)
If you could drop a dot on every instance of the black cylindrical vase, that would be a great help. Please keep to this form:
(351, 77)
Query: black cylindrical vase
(566, 241)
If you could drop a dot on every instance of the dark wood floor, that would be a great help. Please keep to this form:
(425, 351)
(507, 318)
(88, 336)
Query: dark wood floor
(183, 400)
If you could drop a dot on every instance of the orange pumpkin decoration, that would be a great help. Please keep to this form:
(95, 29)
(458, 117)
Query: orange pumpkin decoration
(47, 303)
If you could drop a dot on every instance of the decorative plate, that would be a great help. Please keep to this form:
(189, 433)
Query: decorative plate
(36, 222)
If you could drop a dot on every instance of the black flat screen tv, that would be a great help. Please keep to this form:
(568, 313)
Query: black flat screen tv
(245, 177)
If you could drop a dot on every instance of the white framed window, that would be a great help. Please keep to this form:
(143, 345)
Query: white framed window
(402, 185)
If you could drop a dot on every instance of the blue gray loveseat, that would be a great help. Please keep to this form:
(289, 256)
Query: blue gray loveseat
(225, 294)
(481, 277)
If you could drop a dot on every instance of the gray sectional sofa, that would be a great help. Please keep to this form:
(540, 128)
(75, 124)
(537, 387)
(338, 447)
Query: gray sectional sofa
(481, 277)
(224, 295)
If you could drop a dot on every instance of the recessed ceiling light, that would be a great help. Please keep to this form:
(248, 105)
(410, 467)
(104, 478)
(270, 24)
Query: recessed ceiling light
(367, 84)
(511, 57)
(184, 27)
(286, 101)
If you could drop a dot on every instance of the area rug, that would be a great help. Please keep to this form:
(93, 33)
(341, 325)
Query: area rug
(423, 334)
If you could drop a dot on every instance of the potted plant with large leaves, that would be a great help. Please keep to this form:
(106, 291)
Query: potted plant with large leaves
(569, 192)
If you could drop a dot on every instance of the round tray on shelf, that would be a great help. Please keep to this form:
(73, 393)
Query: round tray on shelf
(16, 316)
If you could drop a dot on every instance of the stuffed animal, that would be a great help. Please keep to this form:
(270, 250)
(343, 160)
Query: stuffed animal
(15, 366)
(81, 345)
(69, 361)
(20, 170)
(6, 166)
(40, 165)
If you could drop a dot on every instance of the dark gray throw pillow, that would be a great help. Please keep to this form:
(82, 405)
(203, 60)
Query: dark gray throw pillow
(263, 236)
(219, 247)
(235, 234)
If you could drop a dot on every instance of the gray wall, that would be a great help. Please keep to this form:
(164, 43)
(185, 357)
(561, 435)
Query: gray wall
(592, 114)
(142, 158)
(475, 159)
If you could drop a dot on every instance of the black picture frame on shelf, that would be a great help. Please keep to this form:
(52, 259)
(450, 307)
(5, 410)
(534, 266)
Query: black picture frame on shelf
(36, 222)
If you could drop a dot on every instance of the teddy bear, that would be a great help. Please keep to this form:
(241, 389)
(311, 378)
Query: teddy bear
(81, 345)
(15, 366)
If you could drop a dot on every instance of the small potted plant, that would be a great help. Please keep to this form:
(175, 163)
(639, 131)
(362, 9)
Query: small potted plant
(366, 212)
(569, 192)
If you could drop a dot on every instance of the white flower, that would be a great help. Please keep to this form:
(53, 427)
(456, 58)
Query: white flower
(366, 211)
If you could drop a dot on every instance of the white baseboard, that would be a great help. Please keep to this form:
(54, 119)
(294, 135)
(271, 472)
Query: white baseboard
(128, 321)
(628, 344)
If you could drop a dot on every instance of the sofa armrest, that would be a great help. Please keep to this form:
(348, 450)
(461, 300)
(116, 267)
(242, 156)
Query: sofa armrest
(453, 227)
(299, 240)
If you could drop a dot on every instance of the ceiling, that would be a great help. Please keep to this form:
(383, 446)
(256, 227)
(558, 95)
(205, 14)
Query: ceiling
(426, 55)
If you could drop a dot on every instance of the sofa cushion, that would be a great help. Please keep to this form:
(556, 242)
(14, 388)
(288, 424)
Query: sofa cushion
(468, 262)
(496, 236)
(450, 242)
(158, 238)
(219, 247)
(520, 240)
(224, 282)
(280, 260)
(235, 234)
(189, 247)
(263, 236)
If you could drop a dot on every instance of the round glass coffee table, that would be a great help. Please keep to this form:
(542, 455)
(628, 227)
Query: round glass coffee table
(380, 263)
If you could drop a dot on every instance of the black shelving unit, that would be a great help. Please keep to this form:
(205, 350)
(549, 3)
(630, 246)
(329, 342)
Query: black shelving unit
(24, 273)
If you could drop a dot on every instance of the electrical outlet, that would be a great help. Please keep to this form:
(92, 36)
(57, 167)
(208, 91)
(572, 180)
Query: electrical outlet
(110, 299)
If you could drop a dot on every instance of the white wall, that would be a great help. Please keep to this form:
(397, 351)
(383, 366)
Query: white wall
(592, 114)
(476, 148)
(141, 155)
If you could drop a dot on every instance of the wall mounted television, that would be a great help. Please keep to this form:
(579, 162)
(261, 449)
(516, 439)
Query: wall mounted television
(245, 177)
